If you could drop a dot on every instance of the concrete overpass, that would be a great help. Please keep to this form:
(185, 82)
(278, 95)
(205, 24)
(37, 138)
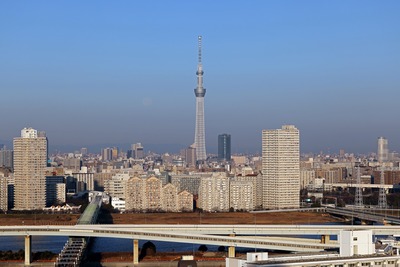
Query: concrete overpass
(273, 237)
(364, 214)
(188, 234)
(346, 185)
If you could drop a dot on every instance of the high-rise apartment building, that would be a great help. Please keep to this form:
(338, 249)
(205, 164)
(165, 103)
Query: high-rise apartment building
(281, 168)
(383, 149)
(30, 161)
(224, 147)
(200, 92)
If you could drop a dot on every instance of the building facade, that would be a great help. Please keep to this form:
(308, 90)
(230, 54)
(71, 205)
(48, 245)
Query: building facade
(115, 187)
(135, 194)
(281, 168)
(148, 194)
(169, 198)
(3, 193)
(241, 195)
(214, 193)
(55, 190)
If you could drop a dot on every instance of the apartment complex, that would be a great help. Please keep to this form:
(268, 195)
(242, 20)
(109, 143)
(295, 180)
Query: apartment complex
(281, 168)
(30, 161)
(149, 195)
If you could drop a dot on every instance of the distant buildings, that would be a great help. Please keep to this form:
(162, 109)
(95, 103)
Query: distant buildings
(136, 151)
(30, 161)
(189, 154)
(224, 147)
(109, 153)
(281, 168)
(6, 158)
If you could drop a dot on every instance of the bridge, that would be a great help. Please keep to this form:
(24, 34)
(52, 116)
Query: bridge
(364, 214)
(376, 186)
(272, 237)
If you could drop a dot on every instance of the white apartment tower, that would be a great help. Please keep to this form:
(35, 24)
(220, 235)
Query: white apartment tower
(281, 168)
(30, 161)
(383, 149)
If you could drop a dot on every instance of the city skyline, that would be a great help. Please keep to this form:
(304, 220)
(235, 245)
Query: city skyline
(123, 73)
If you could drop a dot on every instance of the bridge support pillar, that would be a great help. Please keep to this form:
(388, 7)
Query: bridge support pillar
(28, 250)
(135, 251)
(325, 239)
(231, 250)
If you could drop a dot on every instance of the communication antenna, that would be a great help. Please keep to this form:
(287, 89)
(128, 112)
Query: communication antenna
(359, 198)
(382, 194)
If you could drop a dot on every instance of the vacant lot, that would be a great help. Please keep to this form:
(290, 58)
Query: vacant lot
(38, 219)
(222, 218)
(172, 218)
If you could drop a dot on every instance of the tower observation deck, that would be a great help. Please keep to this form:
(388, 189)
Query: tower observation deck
(200, 91)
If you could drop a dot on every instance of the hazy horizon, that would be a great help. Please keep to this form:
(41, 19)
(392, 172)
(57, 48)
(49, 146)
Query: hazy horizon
(99, 72)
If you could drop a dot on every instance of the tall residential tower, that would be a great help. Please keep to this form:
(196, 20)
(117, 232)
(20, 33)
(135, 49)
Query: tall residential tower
(200, 136)
(383, 149)
(281, 168)
(30, 162)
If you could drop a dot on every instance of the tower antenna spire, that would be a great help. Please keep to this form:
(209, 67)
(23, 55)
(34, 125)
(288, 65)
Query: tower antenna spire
(199, 40)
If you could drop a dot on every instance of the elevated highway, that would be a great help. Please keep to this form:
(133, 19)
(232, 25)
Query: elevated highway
(199, 236)
(364, 215)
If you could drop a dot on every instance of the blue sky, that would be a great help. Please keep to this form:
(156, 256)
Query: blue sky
(115, 72)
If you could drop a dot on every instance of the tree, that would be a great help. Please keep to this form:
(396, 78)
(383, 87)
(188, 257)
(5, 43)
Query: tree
(203, 248)
(148, 249)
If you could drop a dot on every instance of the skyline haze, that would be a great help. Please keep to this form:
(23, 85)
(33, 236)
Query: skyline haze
(98, 73)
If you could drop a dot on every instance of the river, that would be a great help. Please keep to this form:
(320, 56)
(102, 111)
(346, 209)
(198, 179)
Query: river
(100, 244)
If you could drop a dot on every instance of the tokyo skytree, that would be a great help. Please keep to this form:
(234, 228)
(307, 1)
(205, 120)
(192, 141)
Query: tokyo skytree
(200, 136)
